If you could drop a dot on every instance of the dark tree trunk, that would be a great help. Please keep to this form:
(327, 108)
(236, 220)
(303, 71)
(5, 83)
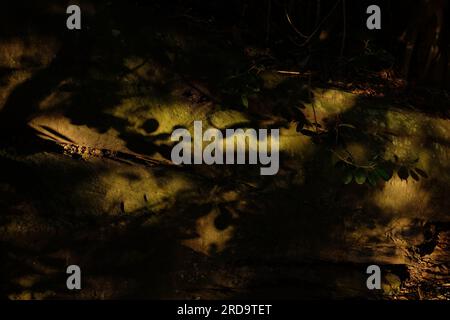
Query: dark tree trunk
(426, 43)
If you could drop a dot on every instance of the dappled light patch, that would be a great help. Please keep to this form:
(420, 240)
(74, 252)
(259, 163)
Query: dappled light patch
(80, 134)
(210, 239)
(21, 58)
(294, 144)
(223, 119)
(361, 153)
(137, 111)
(329, 102)
(403, 198)
(34, 52)
(132, 189)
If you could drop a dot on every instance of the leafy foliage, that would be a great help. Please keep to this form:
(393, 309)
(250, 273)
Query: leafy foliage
(363, 175)
(380, 171)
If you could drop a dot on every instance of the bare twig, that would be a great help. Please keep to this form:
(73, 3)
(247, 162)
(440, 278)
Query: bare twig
(292, 25)
(312, 102)
(370, 166)
(308, 38)
(294, 73)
